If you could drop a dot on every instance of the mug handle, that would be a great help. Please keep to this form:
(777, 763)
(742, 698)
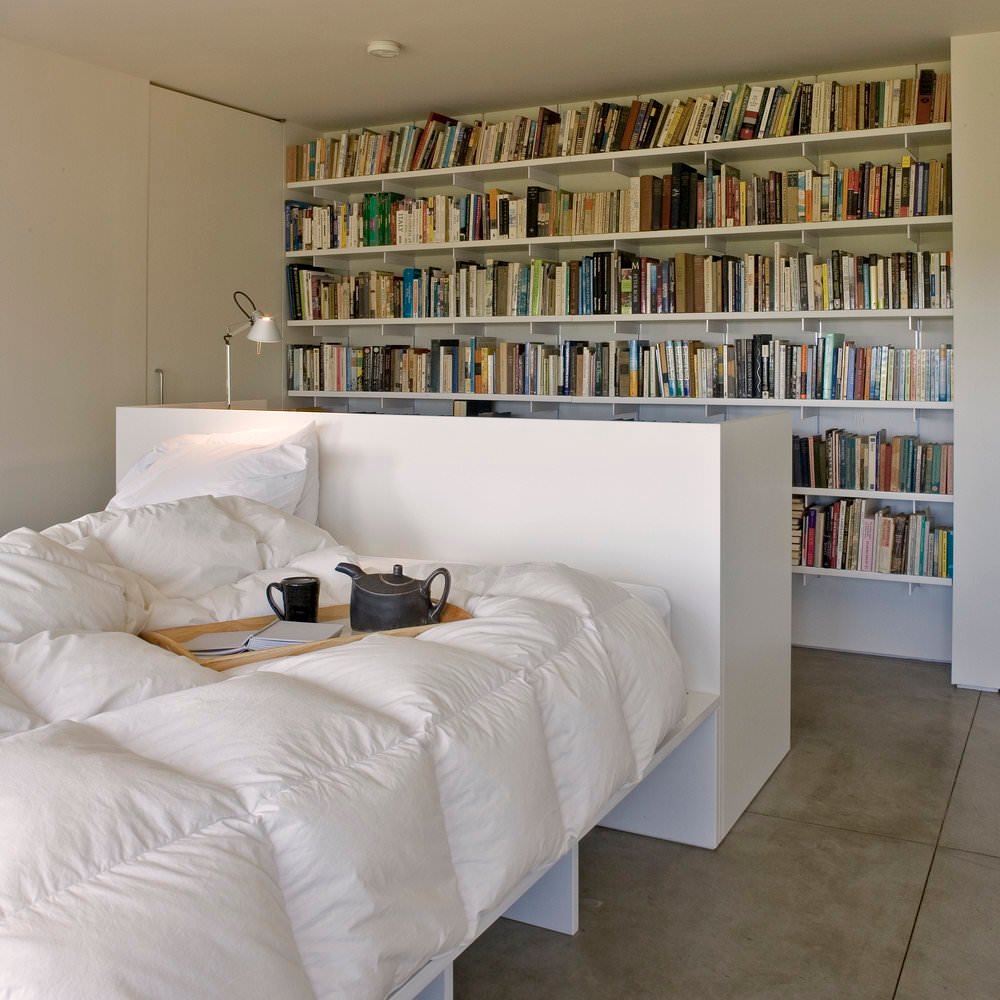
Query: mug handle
(274, 607)
(435, 612)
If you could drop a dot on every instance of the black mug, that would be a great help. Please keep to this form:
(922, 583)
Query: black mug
(299, 597)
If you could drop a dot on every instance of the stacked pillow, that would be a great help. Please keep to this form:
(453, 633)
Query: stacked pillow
(264, 465)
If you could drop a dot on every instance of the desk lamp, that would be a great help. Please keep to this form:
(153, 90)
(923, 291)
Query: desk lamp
(260, 329)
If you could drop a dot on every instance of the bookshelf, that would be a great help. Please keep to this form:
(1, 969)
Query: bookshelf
(913, 328)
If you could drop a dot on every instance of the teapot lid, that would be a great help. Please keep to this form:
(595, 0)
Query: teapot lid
(394, 584)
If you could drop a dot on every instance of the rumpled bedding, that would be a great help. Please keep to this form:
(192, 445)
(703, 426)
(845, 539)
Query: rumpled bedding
(315, 825)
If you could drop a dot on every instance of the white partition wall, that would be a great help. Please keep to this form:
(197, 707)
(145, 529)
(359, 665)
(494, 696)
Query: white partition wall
(976, 143)
(699, 509)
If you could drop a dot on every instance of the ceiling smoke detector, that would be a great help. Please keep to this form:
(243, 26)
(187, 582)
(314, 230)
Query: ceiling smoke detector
(384, 49)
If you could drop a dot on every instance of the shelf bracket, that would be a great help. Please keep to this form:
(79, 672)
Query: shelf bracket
(808, 241)
(715, 244)
(625, 410)
(543, 407)
(911, 146)
(406, 189)
(466, 183)
(624, 168)
(632, 246)
(543, 327)
(808, 152)
(629, 328)
(542, 176)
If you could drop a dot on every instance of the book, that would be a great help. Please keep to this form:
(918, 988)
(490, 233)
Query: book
(751, 113)
(649, 128)
(546, 133)
(273, 635)
(436, 123)
(284, 633)
(925, 97)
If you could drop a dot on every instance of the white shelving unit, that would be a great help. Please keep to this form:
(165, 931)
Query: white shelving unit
(924, 606)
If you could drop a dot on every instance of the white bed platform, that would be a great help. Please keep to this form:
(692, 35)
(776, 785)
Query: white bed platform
(701, 510)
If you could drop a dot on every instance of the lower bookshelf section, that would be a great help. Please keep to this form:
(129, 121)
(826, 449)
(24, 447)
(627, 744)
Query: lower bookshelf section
(867, 535)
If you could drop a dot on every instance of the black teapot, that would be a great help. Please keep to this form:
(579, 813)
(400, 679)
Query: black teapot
(382, 601)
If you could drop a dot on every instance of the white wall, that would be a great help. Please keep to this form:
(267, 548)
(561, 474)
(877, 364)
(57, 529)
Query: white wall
(976, 90)
(72, 278)
(100, 174)
(216, 190)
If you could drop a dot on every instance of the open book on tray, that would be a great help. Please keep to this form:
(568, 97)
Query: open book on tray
(272, 636)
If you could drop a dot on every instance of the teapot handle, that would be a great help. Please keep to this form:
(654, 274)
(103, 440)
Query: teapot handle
(435, 612)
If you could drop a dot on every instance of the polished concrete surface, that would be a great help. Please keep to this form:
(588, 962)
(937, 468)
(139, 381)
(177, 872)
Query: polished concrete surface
(867, 867)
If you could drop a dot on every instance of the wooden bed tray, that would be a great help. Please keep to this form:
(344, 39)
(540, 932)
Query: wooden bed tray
(172, 638)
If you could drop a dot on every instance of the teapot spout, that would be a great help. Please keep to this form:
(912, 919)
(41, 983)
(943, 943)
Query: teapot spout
(350, 570)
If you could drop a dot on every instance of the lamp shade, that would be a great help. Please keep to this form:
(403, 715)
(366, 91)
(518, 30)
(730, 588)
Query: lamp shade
(263, 329)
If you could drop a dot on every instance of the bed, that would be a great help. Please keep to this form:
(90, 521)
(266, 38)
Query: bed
(344, 824)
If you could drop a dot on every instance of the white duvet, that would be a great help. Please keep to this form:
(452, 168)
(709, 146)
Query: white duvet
(318, 825)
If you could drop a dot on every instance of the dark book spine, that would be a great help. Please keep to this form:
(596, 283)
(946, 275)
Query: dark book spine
(925, 96)
(531, 211)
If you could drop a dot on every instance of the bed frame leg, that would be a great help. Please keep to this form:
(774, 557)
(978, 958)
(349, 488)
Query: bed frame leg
(441, 987)
(679, 799)
(553, 902)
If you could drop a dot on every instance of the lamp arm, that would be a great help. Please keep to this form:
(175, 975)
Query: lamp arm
(239, 305)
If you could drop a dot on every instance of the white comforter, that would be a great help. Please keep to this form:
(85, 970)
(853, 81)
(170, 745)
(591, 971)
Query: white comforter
(320, 826)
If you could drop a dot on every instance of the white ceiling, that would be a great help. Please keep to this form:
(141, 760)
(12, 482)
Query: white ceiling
(305, 61)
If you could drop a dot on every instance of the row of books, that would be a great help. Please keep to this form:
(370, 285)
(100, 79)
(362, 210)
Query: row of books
(481, 365)
(720, 195)
(751, 368)
(840, 460)
(619, 283)
(683, 199)
(389, 219)
(762, 367)
(853, 535)
(738, 112)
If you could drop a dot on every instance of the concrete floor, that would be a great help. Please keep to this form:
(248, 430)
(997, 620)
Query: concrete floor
(867, 867)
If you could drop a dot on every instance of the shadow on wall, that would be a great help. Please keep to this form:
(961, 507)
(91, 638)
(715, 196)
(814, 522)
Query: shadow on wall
(36, 496)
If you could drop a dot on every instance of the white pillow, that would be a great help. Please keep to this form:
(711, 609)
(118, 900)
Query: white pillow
(262, 465)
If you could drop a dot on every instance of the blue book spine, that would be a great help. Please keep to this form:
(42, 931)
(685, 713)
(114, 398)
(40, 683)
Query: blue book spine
(408, 273)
